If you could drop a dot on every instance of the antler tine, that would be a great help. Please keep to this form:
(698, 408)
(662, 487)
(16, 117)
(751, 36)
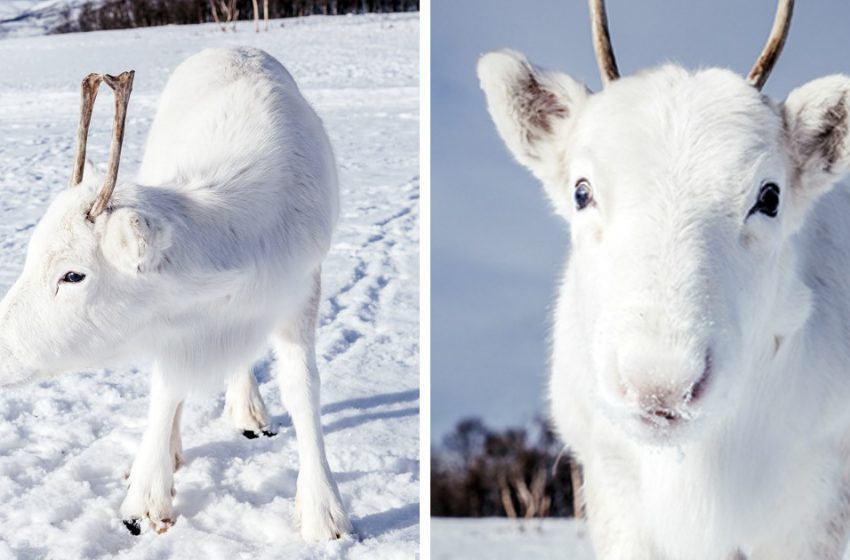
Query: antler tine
(122, 86)
(602, 42)
(772, 49)
(88, 94)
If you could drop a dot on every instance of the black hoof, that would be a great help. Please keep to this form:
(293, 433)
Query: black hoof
(250, 435)
(134, 526)
(269, 433)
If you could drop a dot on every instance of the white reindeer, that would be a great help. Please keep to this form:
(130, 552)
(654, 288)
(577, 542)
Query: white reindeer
(216, 249)
(701, 346)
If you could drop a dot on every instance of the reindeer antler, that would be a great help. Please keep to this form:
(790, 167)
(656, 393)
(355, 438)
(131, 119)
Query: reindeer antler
(757, 76)
(602, 42)
(88, 93)
(772, 49)
(122, 86)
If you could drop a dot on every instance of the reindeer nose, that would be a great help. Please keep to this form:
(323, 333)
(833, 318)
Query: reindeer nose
(662, 386)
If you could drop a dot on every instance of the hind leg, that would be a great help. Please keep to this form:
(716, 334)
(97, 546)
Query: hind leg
(245, 406)
(319, 509)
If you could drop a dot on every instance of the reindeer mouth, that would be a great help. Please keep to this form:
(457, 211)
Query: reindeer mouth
(661, 418)
(661, 427)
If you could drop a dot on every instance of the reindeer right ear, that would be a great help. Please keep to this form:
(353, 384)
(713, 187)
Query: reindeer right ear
(133, 241)
(530, 107)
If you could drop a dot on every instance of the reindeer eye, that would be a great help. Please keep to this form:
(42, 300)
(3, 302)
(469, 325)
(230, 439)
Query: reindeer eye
(768, 201)
(582, 195)
(73, 278)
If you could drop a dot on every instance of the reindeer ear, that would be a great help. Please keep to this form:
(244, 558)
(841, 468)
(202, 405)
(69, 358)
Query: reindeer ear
(530, 108)
(817, 120)
(133, 241)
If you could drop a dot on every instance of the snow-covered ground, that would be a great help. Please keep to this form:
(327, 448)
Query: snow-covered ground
(507, 539)
(65, 444)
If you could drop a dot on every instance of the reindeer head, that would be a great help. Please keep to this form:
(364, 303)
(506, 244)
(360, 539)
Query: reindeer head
(78, 298)
(683, 191)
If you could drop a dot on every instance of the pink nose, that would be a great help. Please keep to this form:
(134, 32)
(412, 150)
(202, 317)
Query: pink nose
(662, 386)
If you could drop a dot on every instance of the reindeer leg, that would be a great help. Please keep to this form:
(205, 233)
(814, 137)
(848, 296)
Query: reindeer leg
(318, 506)
(176, 440)
(151, 480)
(245, 406)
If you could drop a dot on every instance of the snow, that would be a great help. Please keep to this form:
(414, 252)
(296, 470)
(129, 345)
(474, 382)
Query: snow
(66, 444)
(500, 538)
(509, 539)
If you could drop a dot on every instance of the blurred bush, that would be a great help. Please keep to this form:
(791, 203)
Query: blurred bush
(480, 472)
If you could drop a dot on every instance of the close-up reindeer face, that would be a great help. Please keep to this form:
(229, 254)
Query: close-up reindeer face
(683, 191)
(77, 297)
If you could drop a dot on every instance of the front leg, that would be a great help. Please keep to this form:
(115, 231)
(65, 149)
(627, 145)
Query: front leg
(319, 509)
(612, 509)
(820, 532)
(151, 480)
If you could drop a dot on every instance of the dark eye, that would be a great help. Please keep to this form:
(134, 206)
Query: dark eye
(582, 195)
(768, 201)
(73, 278)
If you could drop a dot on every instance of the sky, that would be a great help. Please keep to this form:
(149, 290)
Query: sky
(497, 248)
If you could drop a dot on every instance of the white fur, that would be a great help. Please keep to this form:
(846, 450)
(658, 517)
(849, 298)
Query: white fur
(216, 249)
(245, 405)
(666, 268)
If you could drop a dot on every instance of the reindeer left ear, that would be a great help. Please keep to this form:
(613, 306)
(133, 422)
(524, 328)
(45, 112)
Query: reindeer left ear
(530, 108)
(133, 241)
(817, 120)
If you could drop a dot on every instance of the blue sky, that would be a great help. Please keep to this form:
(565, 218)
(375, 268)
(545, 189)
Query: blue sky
(497, 250)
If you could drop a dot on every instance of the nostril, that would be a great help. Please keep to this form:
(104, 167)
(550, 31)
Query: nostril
(698, 389)
(663, 414)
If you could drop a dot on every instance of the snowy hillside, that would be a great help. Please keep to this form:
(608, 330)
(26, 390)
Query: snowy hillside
(65, 445)
(27, 18)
